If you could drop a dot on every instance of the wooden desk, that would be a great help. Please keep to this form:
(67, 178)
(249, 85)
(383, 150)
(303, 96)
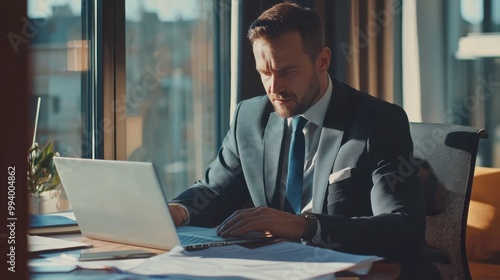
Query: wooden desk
(99, 245)
(379, 271)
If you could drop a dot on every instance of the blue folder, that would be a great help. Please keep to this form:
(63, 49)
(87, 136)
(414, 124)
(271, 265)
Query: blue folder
(47, 224)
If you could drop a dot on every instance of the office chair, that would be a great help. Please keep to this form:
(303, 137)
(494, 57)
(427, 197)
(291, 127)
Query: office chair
(446, 157)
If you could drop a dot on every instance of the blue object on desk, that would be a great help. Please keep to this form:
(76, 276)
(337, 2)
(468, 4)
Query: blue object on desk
(40, 223)
(53, 269)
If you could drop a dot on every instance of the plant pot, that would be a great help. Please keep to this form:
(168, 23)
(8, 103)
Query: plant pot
(49, 201)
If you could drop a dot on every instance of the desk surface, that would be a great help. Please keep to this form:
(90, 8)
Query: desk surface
(380, 270)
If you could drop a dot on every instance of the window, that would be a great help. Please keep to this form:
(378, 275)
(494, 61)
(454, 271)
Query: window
(148, 95)
(481, 83)
(56, 68)
(459, 70)
(169, 103)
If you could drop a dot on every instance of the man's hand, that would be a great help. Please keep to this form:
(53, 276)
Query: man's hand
(278, 223)
(178, 213)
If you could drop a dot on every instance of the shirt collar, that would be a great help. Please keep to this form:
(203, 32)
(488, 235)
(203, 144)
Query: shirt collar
(316, 113)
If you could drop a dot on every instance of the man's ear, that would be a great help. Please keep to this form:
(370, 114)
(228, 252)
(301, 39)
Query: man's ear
(323, 60)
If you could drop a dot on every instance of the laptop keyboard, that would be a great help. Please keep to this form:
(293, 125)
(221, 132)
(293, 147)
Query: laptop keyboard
(190, 239)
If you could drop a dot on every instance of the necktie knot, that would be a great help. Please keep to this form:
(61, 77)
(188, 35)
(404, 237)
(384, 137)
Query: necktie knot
(298, 123)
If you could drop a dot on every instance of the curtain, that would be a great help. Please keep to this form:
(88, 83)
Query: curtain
(362, 34)
(412, 101)
(371, 67)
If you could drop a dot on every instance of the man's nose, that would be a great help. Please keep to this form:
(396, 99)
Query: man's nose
(276, 84)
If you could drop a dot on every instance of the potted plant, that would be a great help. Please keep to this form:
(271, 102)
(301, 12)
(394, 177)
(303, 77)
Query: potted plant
(43, 179)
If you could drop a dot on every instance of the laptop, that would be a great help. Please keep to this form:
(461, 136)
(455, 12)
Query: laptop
(123, 201)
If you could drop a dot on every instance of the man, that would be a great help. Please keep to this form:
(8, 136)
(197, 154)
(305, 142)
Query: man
(353, 197)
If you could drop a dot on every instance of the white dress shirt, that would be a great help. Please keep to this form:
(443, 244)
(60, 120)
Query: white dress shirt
(312, 132)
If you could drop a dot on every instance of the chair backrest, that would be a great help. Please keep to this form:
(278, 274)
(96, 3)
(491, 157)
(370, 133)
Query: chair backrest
(446, 156)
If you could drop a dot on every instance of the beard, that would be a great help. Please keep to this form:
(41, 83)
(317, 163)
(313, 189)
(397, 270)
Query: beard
(302, 104)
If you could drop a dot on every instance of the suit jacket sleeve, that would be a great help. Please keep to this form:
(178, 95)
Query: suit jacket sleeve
(396, 228)
(223, 189)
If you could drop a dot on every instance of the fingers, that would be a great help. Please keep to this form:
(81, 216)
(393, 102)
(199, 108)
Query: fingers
(278, 223)
(245, 225)
(241, 222)
(178, 213)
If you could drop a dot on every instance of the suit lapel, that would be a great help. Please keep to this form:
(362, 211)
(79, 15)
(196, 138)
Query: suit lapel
(328, 148)
(273, 141)
(336, 119)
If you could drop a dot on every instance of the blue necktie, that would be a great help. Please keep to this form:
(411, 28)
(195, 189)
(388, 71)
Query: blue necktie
(295, 177)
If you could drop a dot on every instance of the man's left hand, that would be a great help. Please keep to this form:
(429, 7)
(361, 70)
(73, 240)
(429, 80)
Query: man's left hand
(278, 223)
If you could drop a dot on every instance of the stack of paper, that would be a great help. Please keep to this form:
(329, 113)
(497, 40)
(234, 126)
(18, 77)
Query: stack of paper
(283, 260)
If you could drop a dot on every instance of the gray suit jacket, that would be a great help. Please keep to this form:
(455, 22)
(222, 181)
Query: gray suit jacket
(378, 210)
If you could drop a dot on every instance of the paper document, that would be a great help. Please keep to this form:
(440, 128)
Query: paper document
(46, 244)
(285, 260)
(63, 262)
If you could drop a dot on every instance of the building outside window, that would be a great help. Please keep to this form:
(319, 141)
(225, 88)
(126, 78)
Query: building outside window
(169, 107)
(54, 27)
(170, 113)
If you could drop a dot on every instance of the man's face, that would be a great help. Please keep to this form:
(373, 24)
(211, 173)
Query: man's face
(289, 76)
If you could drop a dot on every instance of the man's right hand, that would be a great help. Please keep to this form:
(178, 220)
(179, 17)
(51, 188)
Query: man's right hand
(264, 219)
(179, 214)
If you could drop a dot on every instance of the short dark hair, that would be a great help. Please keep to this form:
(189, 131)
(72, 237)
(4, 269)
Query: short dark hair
(286, 17)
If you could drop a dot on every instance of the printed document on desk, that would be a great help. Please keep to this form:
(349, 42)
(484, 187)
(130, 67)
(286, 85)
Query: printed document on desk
(278, 261)
(39, 244)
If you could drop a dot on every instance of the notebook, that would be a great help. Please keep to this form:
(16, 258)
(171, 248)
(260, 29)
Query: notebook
(52, 223)
(123, 201)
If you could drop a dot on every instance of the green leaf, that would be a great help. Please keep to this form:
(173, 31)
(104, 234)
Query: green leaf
(42, 174)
